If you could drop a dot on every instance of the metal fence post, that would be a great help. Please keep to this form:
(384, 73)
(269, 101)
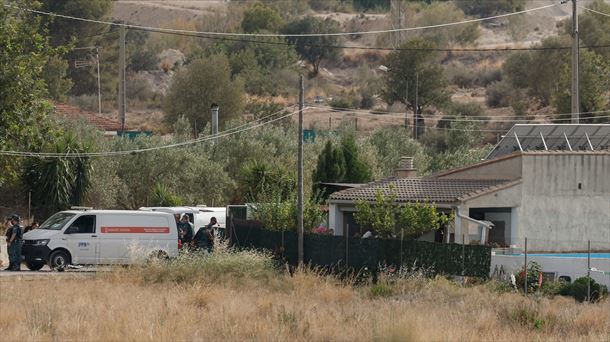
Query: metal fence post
(346, 245)
(525, 267)
(589, 271)
(402, 235)
(463, 255)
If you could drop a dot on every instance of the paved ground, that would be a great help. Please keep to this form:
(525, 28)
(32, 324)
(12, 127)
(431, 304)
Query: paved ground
(46, 272)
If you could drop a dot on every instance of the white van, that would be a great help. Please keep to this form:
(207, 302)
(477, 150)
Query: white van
(199, 216)
(97, 237)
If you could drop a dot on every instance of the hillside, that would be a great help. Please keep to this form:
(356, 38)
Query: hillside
(343, 77)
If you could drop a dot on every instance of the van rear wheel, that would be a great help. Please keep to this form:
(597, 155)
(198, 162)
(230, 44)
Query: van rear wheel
(59, 260)
(34, 265)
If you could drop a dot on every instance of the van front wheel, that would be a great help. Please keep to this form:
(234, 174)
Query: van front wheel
(34, 265)
(59, 260)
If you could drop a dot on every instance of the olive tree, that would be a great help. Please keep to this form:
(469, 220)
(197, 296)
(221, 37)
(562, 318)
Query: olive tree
(198, 86)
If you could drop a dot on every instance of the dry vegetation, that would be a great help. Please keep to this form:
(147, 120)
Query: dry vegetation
(239, 296)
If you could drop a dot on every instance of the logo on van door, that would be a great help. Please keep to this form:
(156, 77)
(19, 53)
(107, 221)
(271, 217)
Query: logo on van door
(83, 244)
(135, 230)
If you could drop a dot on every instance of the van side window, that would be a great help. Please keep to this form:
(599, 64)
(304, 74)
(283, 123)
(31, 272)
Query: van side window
(83, 225)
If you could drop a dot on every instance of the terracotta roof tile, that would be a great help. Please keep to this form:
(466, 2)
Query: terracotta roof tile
(73, 112)
(419, 189)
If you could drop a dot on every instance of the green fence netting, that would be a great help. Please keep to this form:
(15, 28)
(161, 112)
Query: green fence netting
(337, 251)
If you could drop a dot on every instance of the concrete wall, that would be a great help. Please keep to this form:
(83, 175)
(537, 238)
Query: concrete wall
(555, 215)
(508, 168)
(572, 267)
(335, 219)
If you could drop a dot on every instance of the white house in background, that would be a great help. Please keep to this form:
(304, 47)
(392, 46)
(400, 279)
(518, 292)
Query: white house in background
(549, 183)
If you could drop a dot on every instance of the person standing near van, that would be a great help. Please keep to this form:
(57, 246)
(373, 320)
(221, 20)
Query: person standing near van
(34, 225)
(185, 229)
(14, 244)
(209, 230)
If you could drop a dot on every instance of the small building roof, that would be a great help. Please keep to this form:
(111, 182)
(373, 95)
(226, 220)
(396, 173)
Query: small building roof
(100, 122)
(548, 137)
(419, 189)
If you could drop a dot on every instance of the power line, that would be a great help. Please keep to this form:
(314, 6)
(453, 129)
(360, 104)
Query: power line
(229, 132)
(594, 11)
(236, 34)
(225, 36)
(465, 117)
(379, 48)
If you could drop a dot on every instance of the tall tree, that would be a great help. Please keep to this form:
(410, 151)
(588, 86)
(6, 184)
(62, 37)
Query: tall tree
(415, 66)
(594, 85)
(198, 86)
(314, 49)
(64, 31)
(356, 171)
(330, 168)
(24, 52)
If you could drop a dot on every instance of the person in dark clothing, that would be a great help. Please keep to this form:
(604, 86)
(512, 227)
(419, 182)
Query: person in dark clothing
(185, 228)
(204, 239)
(14, 244)
(34, 225)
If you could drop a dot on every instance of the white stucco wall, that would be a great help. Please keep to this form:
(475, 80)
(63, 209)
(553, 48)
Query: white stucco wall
(555, 215)
(335, 219)
(549, 208)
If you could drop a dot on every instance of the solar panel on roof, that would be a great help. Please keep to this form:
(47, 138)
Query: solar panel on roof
(553, 137)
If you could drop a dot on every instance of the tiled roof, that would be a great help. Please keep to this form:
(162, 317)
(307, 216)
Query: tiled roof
(102, 123)
(419, 189)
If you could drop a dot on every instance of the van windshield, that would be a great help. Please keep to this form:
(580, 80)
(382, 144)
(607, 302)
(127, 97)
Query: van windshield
(57, 221)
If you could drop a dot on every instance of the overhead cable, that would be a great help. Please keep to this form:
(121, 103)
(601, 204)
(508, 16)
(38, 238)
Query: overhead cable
(222, 134)
(379, 48)
(594, 11)
(237, 34)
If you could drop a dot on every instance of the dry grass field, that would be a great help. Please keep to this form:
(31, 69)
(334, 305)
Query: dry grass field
(241, 296)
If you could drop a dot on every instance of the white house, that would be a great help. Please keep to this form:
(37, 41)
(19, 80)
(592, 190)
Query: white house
(547, 183)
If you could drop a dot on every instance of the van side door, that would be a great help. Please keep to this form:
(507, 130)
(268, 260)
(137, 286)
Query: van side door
(81, 240)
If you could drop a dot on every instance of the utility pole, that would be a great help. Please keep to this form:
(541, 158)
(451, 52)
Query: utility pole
(215, 108)
(300, 173)
(415, 108)
(99, 88)
(575, 62)
(406, 102)
(122, 78)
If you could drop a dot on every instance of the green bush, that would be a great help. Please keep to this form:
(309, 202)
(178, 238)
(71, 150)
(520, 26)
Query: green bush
(552, 288)
(340, 102)
(578, 290)
(533, 273)
(499, 94)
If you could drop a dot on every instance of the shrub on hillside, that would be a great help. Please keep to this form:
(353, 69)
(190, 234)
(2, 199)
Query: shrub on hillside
(499, 94)
(465, 109)
(463, 77)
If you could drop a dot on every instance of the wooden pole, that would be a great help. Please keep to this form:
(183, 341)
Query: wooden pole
(300, 172)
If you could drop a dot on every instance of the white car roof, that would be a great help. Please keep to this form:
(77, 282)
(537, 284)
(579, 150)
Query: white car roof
(102, 211)
(185, 209)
